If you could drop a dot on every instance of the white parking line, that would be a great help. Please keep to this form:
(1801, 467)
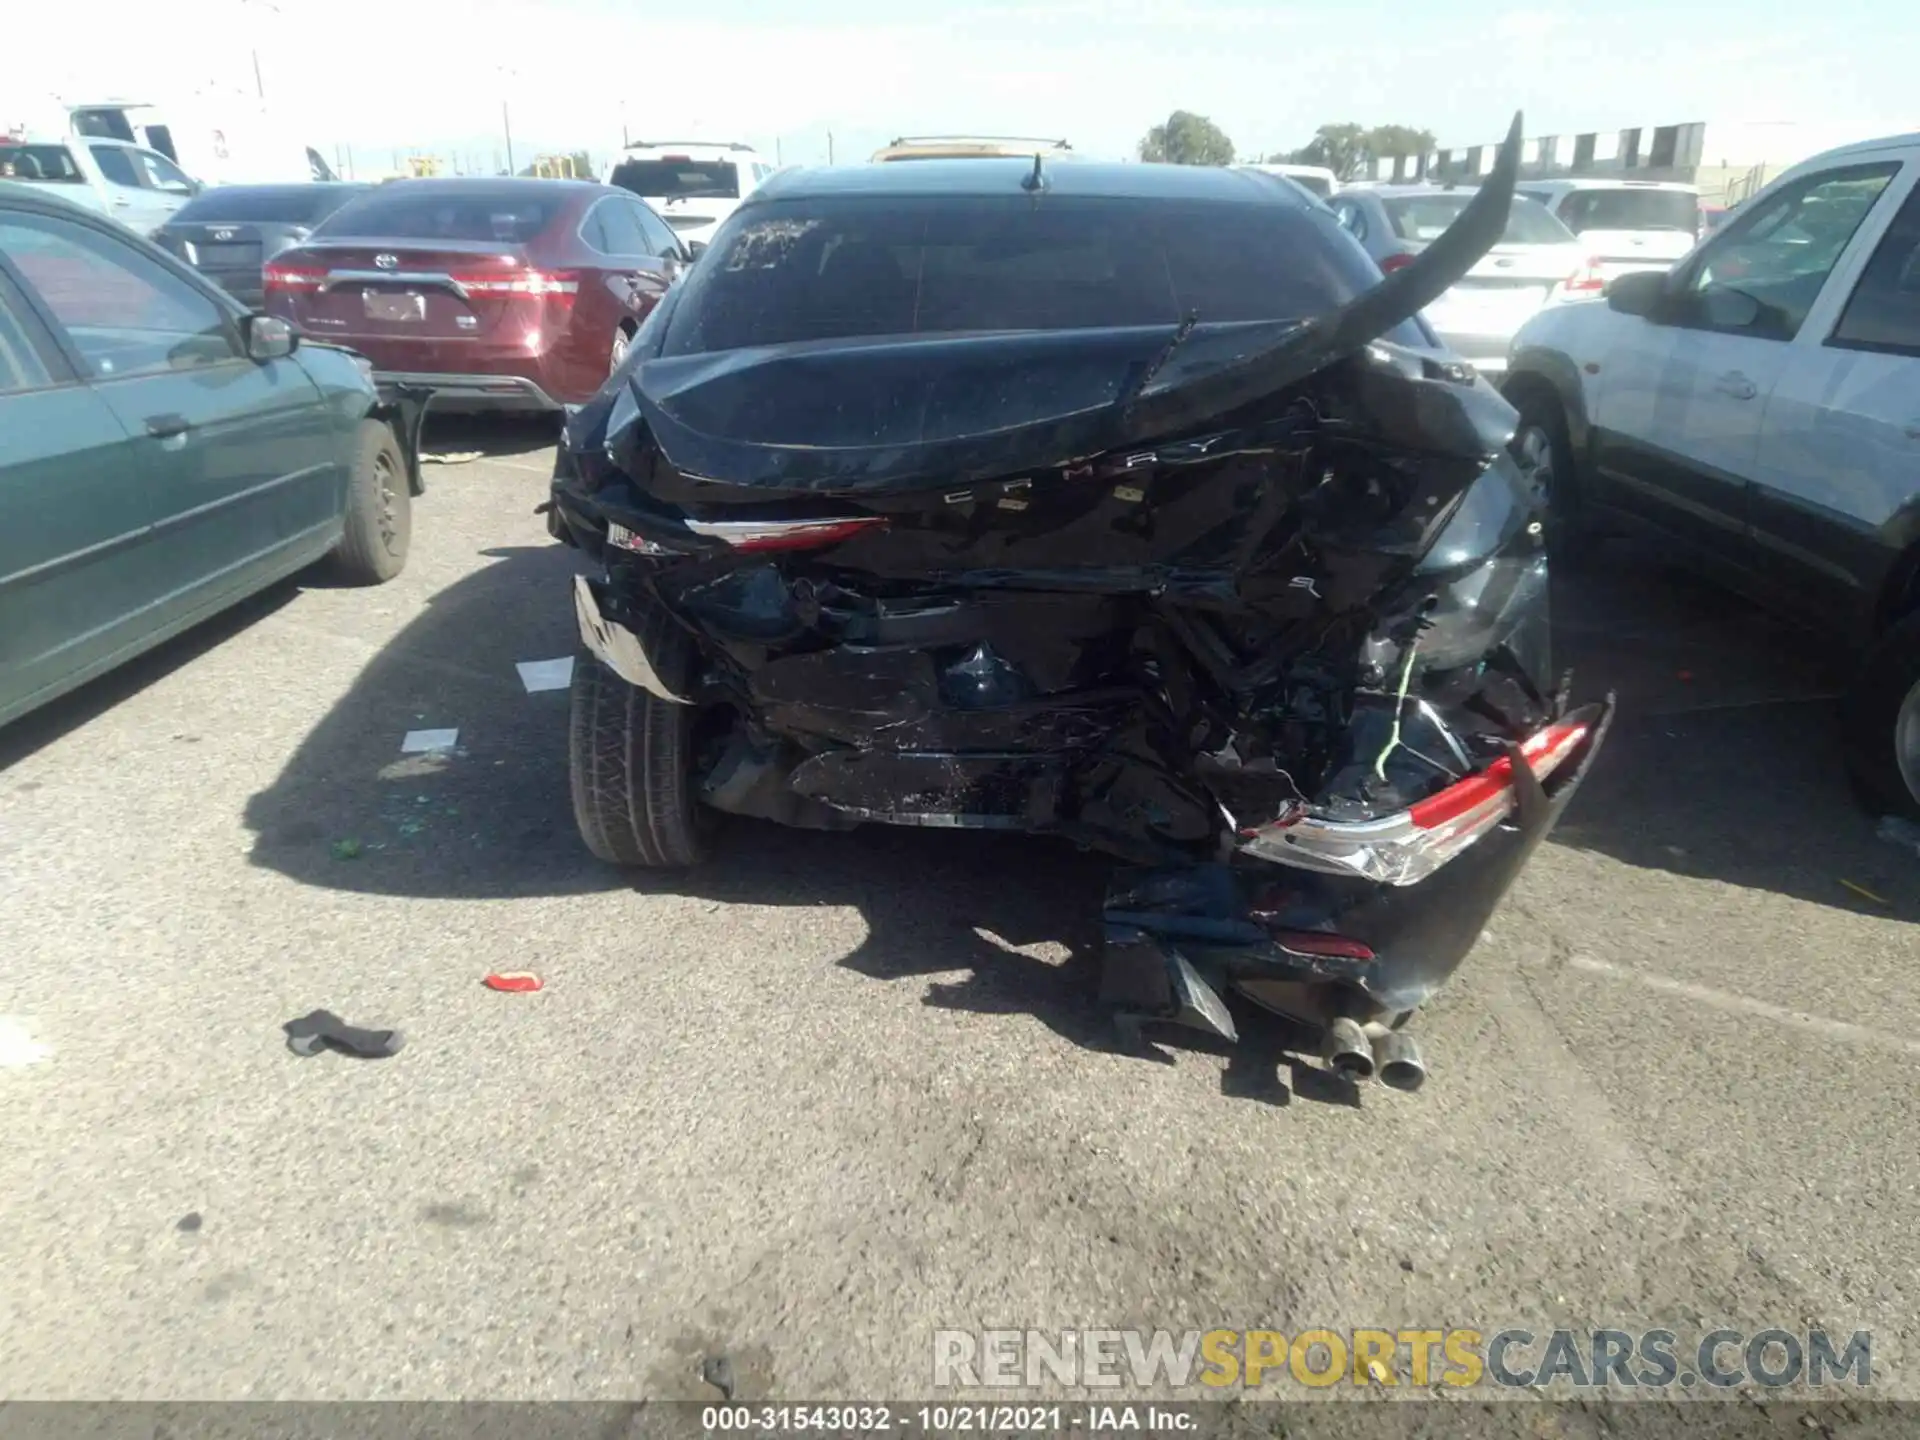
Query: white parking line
(1742, 1005)
(545, 472)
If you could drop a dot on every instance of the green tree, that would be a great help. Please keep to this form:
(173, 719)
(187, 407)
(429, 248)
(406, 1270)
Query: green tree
(1187, 139)
(1347, 148)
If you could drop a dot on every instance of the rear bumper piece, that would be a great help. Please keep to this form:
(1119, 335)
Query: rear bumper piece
(616, 645)
(1249, 927)
(404, 407)
(506, 392)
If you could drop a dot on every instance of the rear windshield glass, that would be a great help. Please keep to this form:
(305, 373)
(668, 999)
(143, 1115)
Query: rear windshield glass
(678, 179)
(294, 205)
(839, 268)
(1318, 184)
(39, 162)
(1631, 210)
(396, 215)
(1426, 217)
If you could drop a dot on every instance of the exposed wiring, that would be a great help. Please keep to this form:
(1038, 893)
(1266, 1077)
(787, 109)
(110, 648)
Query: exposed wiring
(1399, 708)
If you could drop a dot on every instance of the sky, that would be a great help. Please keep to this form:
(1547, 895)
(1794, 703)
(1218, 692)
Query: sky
(385, 77)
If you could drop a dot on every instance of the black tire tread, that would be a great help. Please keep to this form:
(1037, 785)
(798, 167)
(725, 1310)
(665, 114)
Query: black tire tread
(1891, 669)
(362, 557)
(629, 761)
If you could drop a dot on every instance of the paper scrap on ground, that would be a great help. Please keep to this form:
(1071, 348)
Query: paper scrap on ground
(425, 742)
(18, 1048)
(538, 675)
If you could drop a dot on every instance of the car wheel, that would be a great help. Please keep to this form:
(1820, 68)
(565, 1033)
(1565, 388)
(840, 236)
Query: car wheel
(1543, 452)
(630, 761)
(1882, 723)
(379, 510)
(622, 342)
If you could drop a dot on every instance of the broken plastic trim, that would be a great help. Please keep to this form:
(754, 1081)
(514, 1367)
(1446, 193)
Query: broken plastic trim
(756, 536)
(1406, 847)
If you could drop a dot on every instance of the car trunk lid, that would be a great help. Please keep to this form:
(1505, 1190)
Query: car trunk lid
(1505, 286)
(442, 290)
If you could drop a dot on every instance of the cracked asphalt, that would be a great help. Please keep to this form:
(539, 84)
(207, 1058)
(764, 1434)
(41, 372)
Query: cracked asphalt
(829, 1093)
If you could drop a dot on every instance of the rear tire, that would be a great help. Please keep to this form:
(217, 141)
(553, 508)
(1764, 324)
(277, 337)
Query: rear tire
(379, 519)
(1544, 453)
(630, 760)
(1881, 718)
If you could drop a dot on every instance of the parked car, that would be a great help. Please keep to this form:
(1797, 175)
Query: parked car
(1316, 179)
(1760, 405)
(1627, 225)
(1537, 262)
(930, 501)
(969, 147)
(140, 188)
(692, 184)
(164, 452)
(498, 294)
(228, 233)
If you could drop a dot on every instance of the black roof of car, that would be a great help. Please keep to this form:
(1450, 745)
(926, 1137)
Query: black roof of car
(1003, 176)
(501, 187)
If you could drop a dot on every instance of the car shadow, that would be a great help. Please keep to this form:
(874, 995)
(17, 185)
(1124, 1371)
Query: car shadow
(1725, 762)
(39, 728)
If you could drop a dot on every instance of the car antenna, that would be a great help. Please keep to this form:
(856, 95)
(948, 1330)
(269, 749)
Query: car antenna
(1038, 179)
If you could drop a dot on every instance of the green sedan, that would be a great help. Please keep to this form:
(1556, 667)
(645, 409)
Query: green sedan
(164, 453)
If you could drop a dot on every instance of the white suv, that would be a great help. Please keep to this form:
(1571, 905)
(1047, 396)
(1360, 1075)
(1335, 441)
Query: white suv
(1626, 225)
(1760, 404)
(694, 184)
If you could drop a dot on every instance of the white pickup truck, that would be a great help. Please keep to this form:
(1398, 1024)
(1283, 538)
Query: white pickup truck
(138, 187)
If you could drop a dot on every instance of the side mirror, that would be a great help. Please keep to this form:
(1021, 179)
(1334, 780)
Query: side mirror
(268, 337)
(696, 248)
(1638, 294)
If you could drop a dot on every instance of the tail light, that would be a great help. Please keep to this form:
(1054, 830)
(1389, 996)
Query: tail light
(1587, 280)
(761, 535)
(293, 277)
(1395, 262)
(519, 282)
(1406, 847)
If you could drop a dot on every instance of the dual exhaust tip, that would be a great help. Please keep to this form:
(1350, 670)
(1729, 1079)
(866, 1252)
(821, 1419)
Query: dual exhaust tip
(1392, 1055)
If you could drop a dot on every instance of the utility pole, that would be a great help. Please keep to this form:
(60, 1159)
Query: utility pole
(506, 124)
(258, 84)
(776, 151)
(829, 147)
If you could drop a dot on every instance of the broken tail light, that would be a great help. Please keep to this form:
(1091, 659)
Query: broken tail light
(1406, 847)
(761, 535)
(1587, 280)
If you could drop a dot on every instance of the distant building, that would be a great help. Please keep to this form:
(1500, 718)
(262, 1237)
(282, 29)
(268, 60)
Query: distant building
(1727, 159)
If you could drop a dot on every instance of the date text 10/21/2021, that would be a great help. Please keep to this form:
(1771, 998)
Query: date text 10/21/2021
(945, 1419)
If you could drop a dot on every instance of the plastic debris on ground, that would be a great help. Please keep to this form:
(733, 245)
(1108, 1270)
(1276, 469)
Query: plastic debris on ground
(1865, 893)
(428, 742)
(324, 1030)
(450, 457)
(539, 675)
(1899, 831)
(514, 982)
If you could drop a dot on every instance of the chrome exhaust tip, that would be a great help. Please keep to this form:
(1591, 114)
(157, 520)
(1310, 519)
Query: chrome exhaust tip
(1348, 1052)
(1400, 1063)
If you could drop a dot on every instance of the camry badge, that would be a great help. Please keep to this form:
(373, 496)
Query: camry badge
(386, 262)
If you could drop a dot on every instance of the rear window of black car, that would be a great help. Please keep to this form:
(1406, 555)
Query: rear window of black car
(844, 267)
(293, 205)
(397, 215)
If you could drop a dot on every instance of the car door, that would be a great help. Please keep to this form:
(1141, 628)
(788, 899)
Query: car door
(129, 200)
(70, 492)
(170, 186)
(1837, 487)
(662, 242)
(235, 471)
(1682, 392)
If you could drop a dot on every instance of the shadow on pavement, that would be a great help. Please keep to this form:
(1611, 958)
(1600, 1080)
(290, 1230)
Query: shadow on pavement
(49, 723)
(1725, 762)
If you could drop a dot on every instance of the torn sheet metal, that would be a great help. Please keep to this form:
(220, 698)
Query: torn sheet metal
(1227, 600)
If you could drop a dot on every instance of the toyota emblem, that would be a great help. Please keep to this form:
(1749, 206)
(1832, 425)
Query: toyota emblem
(386, 262)
(223, 234)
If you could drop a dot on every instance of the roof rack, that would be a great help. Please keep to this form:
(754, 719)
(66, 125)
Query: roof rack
(989, 139)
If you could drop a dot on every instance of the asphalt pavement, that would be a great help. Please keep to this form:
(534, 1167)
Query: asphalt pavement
(809, 1103)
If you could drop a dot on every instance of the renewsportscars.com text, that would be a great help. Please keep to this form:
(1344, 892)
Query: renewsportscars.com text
(1513, 1358)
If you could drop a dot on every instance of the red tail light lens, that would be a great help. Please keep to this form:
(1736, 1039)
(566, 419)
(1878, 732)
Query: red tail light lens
(293, 277)
(1587, 280)
(756, 535)
(1395, 262)
(519, 282)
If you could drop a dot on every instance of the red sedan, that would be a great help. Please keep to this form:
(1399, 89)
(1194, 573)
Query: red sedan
(494, 294)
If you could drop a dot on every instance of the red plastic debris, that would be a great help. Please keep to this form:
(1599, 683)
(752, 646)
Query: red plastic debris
(517, 982)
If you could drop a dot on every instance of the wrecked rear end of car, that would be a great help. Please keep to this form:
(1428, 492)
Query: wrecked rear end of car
(1255, 603)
